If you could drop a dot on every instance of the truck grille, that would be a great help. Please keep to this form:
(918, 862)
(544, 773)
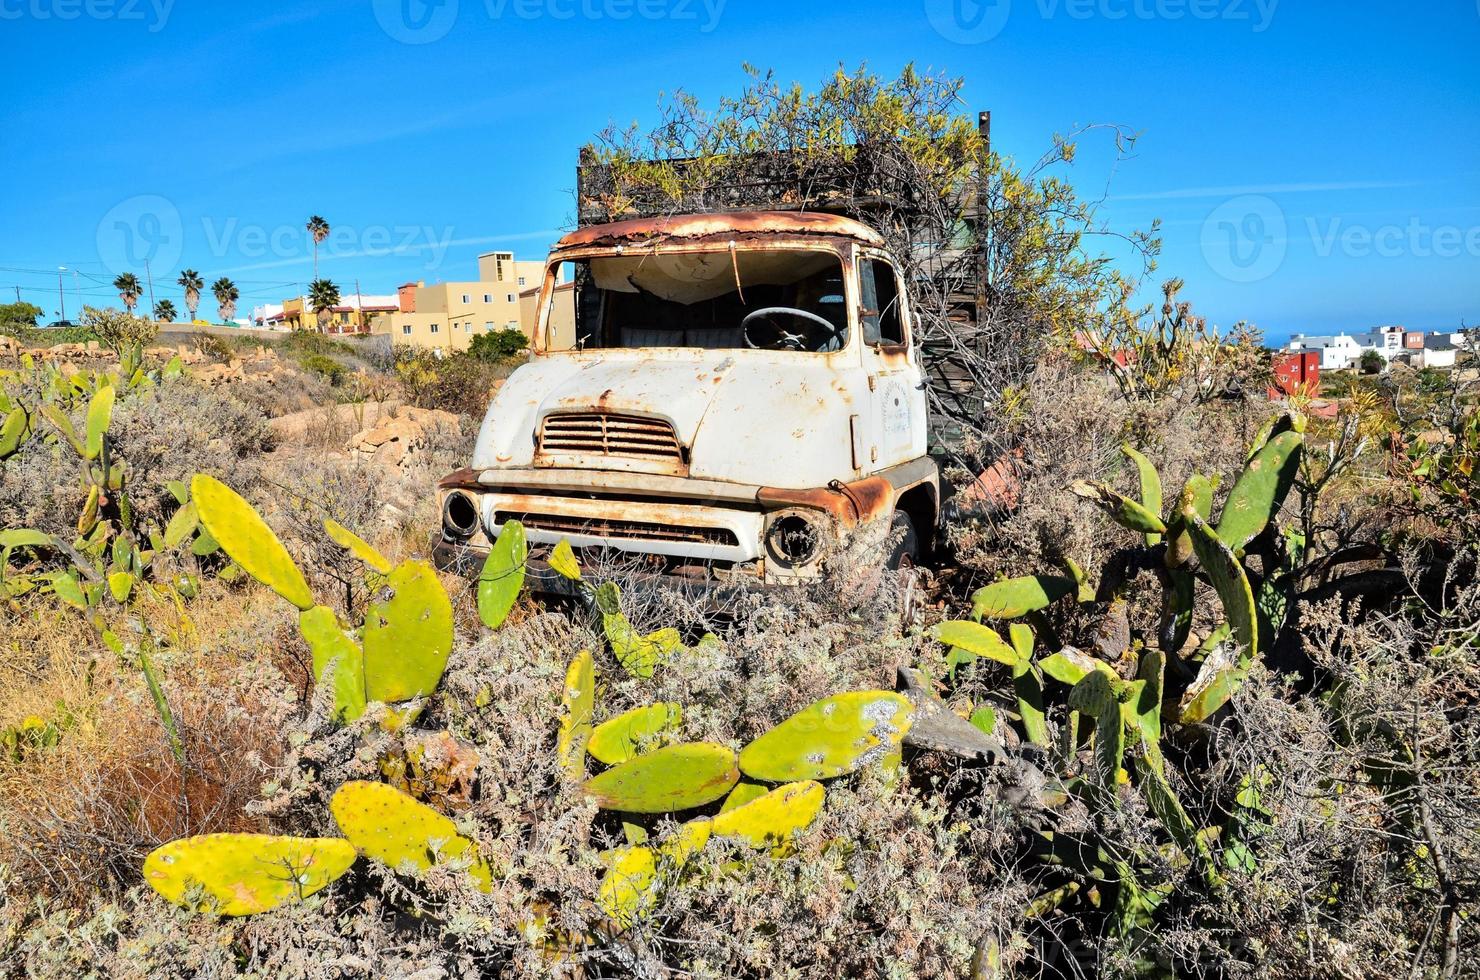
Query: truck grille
(600, 434)
(602, 527)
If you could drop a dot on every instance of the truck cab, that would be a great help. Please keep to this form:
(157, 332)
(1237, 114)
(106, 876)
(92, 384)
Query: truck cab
(722, 399)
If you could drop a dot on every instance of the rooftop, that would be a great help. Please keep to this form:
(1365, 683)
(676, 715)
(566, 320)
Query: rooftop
(723, 223)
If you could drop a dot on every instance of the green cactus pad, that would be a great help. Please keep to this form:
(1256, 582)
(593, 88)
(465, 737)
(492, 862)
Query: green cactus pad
(742, 794)
(236, 526)
(836, 735)
(616, 740)
(563, 561)
(578, 701)
(1068, 666)
(1260, 490)
(638, 654)
(502, 576)
(676, 777)
(246, 873)
(408, 635)
(99, 416)
(1197, 494)
(976, 639)
(394, 829)
(771, 820)
(331, 645)
(13, 431)
(1150, 486)
(1122, 509)
(357, 546)
(1232, 585)
(1016, 597)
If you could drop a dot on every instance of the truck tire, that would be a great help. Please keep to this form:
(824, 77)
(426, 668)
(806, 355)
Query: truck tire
(906, 551)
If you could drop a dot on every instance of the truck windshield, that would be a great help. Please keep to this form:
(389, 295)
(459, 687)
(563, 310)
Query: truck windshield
(775, 299)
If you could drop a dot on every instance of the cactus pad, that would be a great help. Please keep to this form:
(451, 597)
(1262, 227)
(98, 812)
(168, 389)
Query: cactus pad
(563, 561)
(357, 546)
(772, 819)
(836, 735)
(742, 794)
(503, 575)
(246, 873)
(676, 777)
(330, 645)
(233, 524)
(408, 635)
(99, 415)
(628, 890)
(1260, 490)
(394, 829)
(578, 703)
(616, 740)
(1122, 509)
(1016, 597)
(976, 639)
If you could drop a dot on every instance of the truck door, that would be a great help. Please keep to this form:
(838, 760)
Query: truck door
(897, 407)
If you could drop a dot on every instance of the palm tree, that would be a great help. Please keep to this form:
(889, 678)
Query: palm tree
(164, 311)
(318, 230)
(323, 296)
(226, 296)
(191, 282)
(129, 289)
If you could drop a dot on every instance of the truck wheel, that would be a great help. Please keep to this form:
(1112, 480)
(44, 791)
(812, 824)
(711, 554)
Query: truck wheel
(906, 551)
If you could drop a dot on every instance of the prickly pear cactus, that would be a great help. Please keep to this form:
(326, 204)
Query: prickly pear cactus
(742, 794)
(628, 890)
(236, 526)
(502, 576)
(616, 740)
(242, 874)
(1260, 490)
(1150, 487)
(396, 830)
(836, 735)
(563, 561)
(408, 635)
(975, 640)
(1122, 509)
(578, 704)
(638, 654)
(770, 820)
(676, 777)
(357, 546)
(1016, 597)
(338, 661)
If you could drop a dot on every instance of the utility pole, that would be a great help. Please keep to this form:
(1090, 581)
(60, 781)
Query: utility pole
(148, 276)
(17, 294)
(61, 297)
(359, 307)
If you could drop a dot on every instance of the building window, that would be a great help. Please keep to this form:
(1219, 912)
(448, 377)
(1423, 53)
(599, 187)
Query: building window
(488, 297)
(513, 325)
(467, 298)
(488, 326)
(521, 280)
(511, 297)
(434, 328)
(406, 329)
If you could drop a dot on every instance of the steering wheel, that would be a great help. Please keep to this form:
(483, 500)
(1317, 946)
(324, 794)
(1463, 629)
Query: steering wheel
(816, 333)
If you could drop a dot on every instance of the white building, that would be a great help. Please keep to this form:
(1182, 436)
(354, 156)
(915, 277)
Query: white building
(1343, 350)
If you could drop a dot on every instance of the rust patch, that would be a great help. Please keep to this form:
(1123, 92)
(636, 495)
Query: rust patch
(466, 477)
(851, 504)
(722, 223)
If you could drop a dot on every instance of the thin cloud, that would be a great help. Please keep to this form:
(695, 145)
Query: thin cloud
(1266, 189)
(408, 249)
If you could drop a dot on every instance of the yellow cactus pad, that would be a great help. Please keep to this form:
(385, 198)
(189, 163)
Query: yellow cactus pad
(772, 819)
(676, 777)
(396, 830)
(407, 635)
(628, 890)
(836, 735)
(241, 874)
(616, 740)
(578, 701)
(248, 540)
(742, 794)
(358, 546)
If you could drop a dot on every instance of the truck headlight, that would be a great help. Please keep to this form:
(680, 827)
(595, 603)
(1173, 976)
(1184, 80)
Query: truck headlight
(460, 515)
(795, 538)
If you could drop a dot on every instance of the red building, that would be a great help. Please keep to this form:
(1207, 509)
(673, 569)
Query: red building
(1296, 373)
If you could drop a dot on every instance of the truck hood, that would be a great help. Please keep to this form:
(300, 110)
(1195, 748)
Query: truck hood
(756, 417)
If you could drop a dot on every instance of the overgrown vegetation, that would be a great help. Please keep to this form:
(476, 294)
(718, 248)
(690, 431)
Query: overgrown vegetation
(1200, 701)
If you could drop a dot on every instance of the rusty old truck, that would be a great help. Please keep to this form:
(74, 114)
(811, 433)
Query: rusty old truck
(719, 399)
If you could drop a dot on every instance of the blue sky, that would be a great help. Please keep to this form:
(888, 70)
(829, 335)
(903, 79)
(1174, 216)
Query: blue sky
(1316, 165)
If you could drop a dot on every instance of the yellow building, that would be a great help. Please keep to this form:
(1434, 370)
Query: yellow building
(353, 314)
(562, 324)
(446, 315)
